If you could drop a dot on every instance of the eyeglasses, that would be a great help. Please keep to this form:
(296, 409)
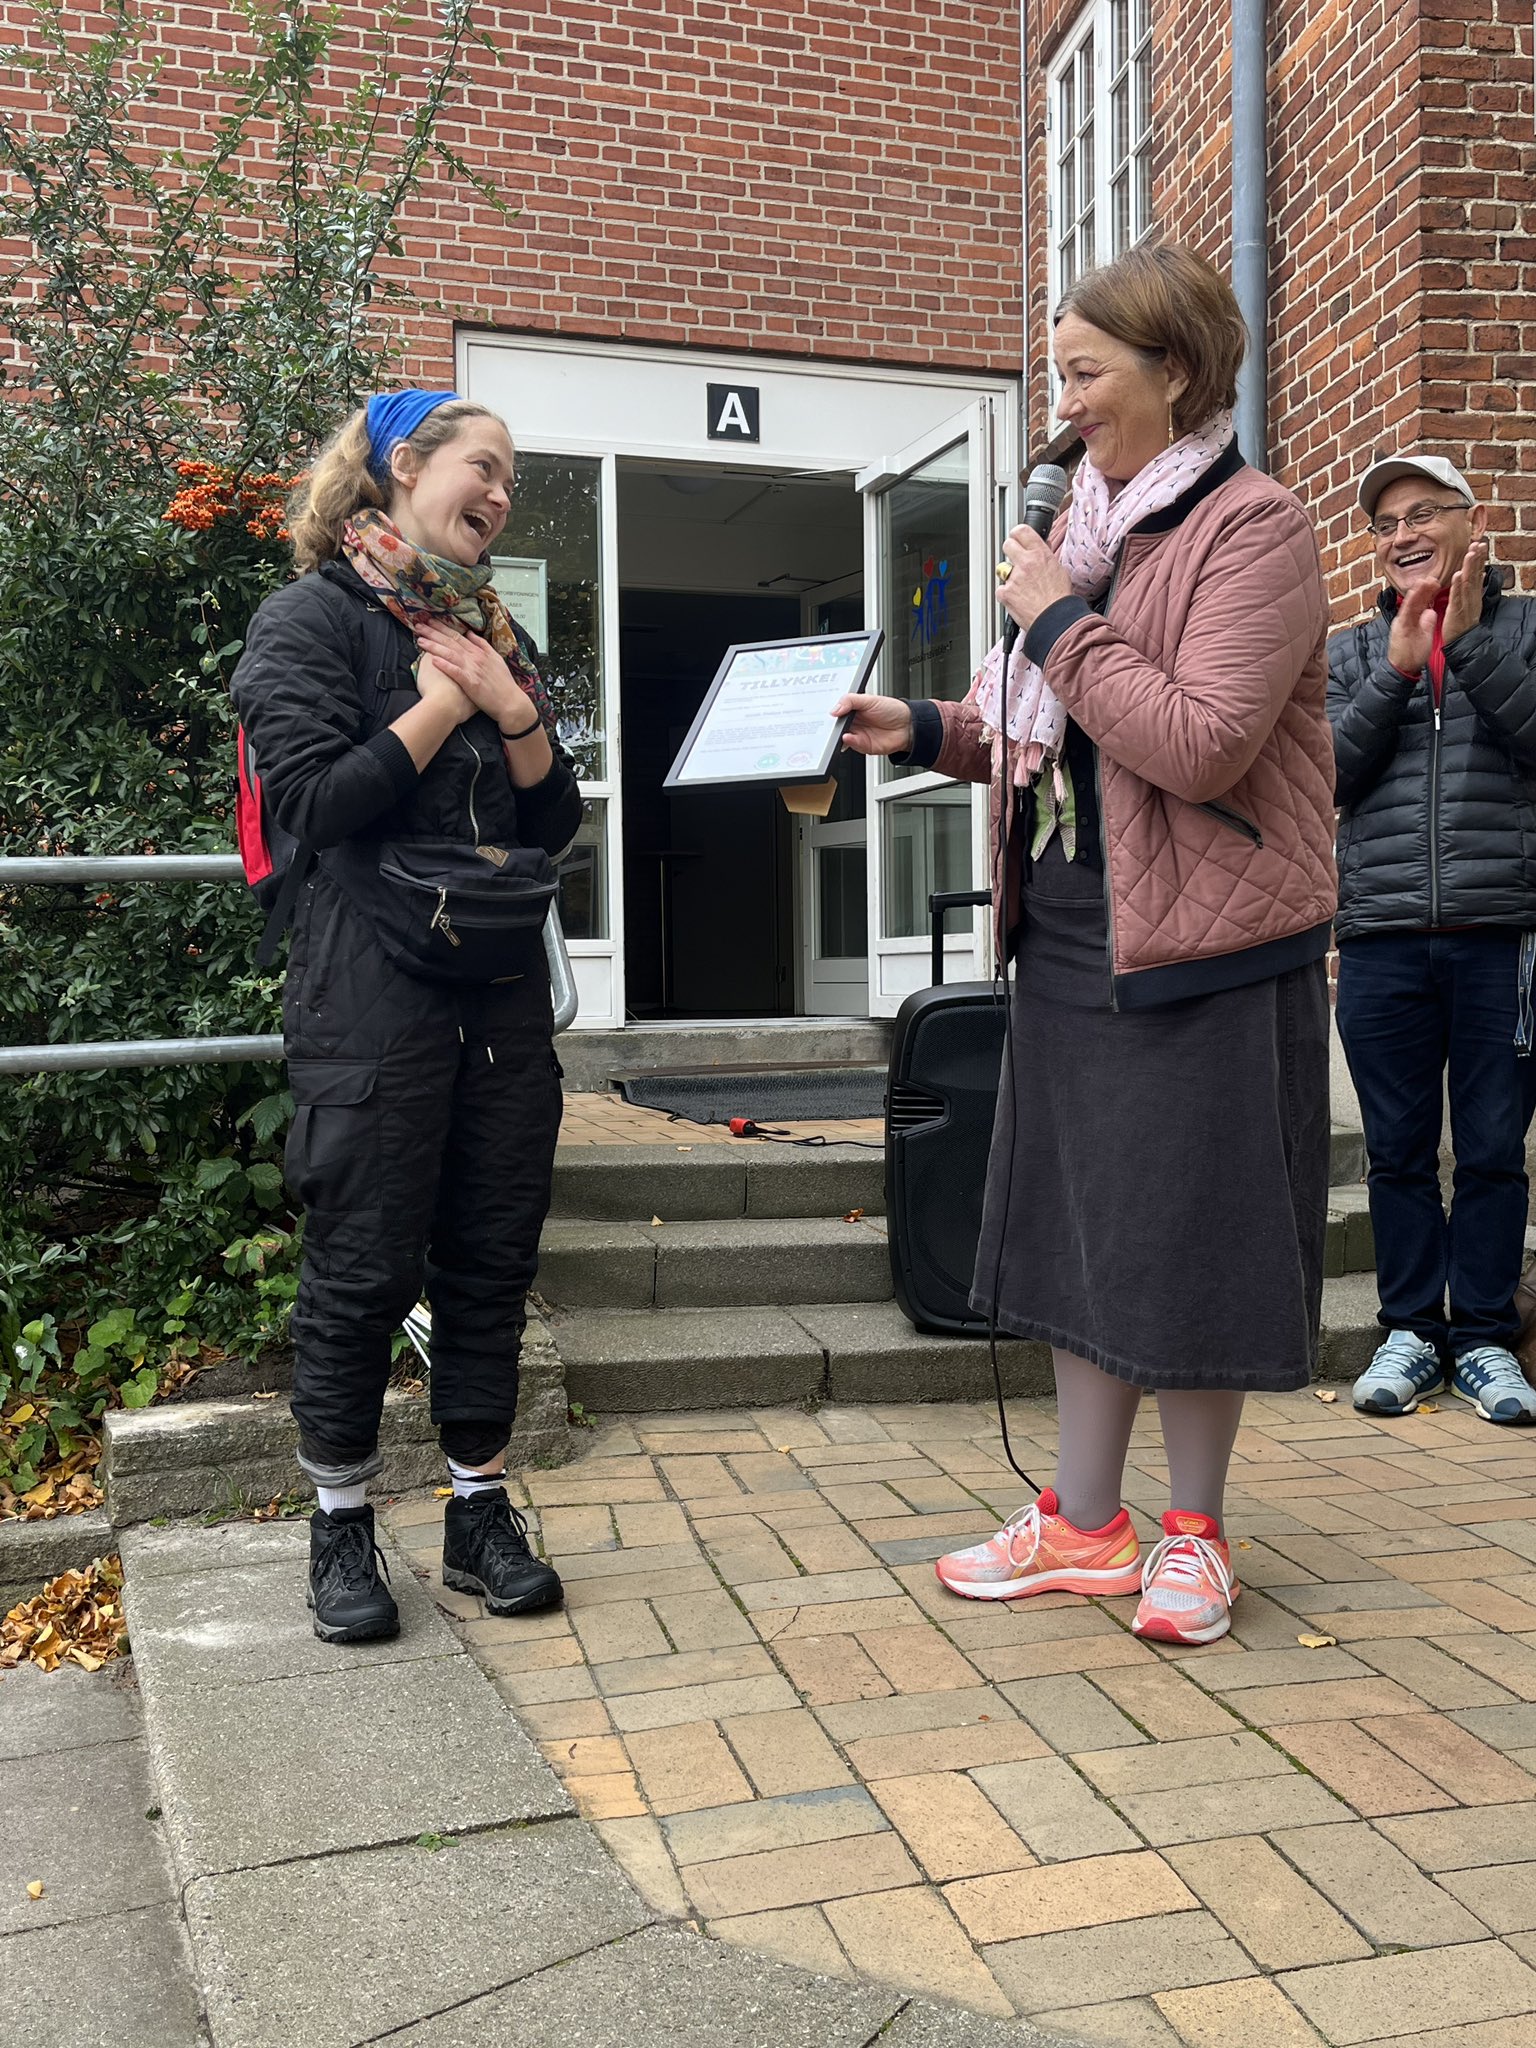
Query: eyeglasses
(1415, 518)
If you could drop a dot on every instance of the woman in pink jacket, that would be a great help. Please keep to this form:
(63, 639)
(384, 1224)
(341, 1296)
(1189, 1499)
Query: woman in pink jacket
(1157, 1192)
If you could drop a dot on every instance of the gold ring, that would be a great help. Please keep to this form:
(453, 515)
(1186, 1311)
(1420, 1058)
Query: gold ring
(1004, 571)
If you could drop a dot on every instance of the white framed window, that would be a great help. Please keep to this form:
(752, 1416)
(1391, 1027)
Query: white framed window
(1099, 139)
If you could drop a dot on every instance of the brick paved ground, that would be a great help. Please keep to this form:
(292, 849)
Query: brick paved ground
(790, 1733)
(610, 1120)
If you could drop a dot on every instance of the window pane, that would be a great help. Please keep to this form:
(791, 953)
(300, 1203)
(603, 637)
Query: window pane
(1120, 194)
(584, 876)
(927, 847)
(842, 906)
(1143, 94)
(1143, 19)
(1120, 125)
(1143, 191)
(1119, 37)
(1086, 245)
(1085, 76)
(1068, 107)
(548, 572)
(1068, 186)
(926, 526)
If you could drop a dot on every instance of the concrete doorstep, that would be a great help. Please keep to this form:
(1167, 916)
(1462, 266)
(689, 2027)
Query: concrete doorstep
(367, 1846)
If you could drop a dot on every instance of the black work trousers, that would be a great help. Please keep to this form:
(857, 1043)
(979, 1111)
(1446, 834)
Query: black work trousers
(422, 1148)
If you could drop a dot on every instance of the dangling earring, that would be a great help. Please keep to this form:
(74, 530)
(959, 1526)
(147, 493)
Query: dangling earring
(1172, 435)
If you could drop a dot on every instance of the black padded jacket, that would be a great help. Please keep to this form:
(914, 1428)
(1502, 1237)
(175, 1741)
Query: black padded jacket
(325, 671)
(1437, 808)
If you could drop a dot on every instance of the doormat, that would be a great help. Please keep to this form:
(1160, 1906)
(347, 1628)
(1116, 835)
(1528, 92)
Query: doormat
(766, 1094)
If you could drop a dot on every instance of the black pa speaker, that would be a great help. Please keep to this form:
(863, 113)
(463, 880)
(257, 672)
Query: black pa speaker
(946, 1062)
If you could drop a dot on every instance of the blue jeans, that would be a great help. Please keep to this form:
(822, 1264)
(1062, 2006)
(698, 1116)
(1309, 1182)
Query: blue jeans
(1413, 1008)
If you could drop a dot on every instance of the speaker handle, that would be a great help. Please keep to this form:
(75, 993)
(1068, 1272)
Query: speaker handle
(945, 900)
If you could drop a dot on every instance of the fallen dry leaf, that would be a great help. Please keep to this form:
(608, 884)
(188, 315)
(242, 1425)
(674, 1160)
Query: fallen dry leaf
(34, 1890)
(1243, 1543)
(77, 1617)
(1318, 1642)
(854, 1216)
(258, 1396)
(1427, 1408)
(782, 1449)
(1324, 1394)
(442, 1492)
(685, 1148)
(655, 1222)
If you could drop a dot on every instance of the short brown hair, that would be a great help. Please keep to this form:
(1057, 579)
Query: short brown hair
(1170, 306)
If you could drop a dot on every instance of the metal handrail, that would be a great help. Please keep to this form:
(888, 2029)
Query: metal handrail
(65, 870)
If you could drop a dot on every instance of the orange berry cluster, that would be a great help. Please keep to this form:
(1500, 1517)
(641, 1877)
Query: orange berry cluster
(209, 494)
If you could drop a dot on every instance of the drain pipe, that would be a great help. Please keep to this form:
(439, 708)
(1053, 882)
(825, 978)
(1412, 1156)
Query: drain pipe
(1250, 220)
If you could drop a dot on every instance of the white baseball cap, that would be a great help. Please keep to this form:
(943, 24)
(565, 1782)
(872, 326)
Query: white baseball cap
(1388, 471)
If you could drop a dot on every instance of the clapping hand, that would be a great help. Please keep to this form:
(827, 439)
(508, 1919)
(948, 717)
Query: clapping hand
(472, 663)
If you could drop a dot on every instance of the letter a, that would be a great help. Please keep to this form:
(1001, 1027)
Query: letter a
(733, 417)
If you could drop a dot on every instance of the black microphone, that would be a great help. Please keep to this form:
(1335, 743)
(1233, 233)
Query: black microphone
(1044, 489)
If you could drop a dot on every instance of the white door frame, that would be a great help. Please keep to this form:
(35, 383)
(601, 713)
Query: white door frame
(613, 400)
(824, 978)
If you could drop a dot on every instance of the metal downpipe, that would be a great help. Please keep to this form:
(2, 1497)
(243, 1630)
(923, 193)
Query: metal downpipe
(1250, 220)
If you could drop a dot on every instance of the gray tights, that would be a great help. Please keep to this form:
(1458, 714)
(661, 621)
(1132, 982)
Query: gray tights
(1097, 1411)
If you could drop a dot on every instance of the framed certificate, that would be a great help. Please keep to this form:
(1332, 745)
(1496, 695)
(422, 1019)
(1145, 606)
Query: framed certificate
(767, 716)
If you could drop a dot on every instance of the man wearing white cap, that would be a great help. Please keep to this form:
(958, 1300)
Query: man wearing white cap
(1433, 707)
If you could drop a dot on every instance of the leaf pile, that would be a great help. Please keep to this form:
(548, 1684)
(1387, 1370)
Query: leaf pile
(77, 1619)
(67, 1487)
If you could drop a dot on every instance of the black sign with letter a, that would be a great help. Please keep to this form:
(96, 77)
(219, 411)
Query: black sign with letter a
(734, 412)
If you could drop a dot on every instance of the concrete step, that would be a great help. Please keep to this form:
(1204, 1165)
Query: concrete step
(715, 1181)
(592, 1058)
(751, 1262)
(1351, 1244)
(625, 1361)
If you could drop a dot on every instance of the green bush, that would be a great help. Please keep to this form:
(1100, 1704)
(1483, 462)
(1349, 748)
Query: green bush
(162, 382)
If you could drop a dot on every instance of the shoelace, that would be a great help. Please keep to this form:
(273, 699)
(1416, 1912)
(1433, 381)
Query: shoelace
(1497, 1367)
(502, 1525)
(351, 1559)
(1400, 1357)
(1024, 1524)
(1187, 1560)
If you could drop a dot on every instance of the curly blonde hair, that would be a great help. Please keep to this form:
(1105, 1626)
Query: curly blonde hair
(341, 480)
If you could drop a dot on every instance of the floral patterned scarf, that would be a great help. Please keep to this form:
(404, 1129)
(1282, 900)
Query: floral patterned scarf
(414, 585)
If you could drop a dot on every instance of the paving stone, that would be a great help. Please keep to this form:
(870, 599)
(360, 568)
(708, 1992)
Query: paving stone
(832, 1668)
(1503, 1896)
(1283, 1706)
(703, 1620)
(75, 1822)
(1354, 2002)
(1349, 1596)
(44, 1713)
(816, 1589)
(1466, 1841)
(1510, 1664)
(398, 1750)
(910, 1938)
(1469, 1770)
(1503, 1727)
(1371, 1777)
(1122, 2023)
(1163, 1953)
(820, 1549)
(181, 1548)
(1206, 1812)
(1047, 1660)
(1247, 2013)
(1164, 1702)
(1072, 1714)
(1277, 1916)
(905, 1713)
(636, 1711)
(686, 1768)
(1293, 1666)
(918, 1660)
(670, 1985)
(637, 1846)
(1057, 1815)
(1096, 1891)
(1167, 1766)
(793, 1934)
(494, 1907)
(785, 1752)
(135, 1989)
(566, 1530)
(799, 1876)
(710, 1834)
(1440, 1681)
(950, 1826)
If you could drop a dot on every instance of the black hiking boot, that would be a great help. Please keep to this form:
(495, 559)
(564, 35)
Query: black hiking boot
(486, 1551)
(351, 1602)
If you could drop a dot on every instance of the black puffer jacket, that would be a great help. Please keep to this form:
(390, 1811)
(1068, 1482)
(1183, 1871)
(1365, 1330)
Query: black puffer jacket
(325, 671)
(1437, 821)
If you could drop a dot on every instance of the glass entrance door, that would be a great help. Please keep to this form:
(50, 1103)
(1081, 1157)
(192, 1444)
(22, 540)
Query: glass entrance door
(834, 866)
(930, 543)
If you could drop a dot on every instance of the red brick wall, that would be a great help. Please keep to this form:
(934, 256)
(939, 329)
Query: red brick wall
(802, 176)
(1403, 239)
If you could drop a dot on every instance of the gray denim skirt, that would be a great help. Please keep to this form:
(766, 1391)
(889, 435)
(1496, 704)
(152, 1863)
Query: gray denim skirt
(1157, 1192)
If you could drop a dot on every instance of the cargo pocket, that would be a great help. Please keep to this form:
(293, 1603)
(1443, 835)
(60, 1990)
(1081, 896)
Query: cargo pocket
(332, 1158)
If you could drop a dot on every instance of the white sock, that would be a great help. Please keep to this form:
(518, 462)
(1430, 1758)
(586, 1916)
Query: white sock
(330, 1498)
(467, 1481)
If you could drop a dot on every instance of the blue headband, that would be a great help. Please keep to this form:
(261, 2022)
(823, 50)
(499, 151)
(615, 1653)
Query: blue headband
(393, 416)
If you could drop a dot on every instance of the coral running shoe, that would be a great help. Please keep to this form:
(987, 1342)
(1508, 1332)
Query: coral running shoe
(1187, 1588)
(1039, 1551)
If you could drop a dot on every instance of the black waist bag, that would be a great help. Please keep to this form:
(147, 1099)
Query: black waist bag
(446, 910)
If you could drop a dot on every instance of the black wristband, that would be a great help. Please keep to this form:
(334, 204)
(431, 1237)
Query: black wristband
(527, 732)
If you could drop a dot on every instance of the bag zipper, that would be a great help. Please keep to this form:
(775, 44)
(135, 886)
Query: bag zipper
(440, 922)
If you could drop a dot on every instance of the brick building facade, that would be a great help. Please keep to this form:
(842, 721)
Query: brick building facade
(852, 211)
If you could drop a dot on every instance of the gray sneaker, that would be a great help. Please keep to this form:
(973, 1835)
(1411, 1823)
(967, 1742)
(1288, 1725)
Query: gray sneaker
(1490, 1378)
(1405, 1369)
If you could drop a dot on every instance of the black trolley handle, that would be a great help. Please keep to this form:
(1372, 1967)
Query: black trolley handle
(939, 903)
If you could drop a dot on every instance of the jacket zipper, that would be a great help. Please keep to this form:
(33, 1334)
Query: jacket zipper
(1236, 820)
(1098, 790)
(474, 822)
(1434, 817)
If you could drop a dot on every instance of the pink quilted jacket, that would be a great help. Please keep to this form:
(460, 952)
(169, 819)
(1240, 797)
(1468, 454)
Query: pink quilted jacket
(1203, 691)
